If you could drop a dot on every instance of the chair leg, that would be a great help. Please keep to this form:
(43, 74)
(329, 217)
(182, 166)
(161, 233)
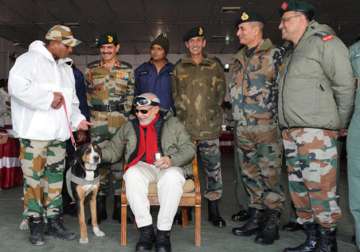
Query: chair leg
(198, 225)
(185, 216)
(123, 240)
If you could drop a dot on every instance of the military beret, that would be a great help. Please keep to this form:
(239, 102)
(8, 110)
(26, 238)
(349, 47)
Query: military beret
(162, 41)
(107, 38)
(197, 31)
(296, 5)
(248, 16)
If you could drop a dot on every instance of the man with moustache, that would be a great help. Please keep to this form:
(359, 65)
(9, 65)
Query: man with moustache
(110, 94)
(253, 93)
(198, 92)
(316, 96)
(154, 76)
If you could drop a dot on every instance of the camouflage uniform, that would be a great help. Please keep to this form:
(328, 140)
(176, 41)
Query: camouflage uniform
(113, 88)
(42, 164)
(253, 94)
(198, 92)
(313, 190)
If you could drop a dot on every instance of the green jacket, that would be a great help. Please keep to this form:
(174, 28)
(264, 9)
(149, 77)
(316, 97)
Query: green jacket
(174, 139)
(316, 87)
(198, 92)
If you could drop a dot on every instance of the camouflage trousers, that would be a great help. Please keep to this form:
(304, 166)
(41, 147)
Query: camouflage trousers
(311, 158)
(210, 161)
(105, 125)
(259, 154)
(42, 163)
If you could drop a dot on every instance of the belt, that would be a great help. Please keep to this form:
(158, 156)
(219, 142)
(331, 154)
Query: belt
(108, 108)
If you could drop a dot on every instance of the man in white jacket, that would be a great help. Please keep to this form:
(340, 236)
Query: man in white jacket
(44, 108)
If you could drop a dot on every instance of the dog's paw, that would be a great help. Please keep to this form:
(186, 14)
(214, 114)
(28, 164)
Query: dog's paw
(98, 232)
(84, 241)
(24, 225)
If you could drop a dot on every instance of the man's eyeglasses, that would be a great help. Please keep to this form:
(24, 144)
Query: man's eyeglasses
(287, 19)
(142, 111)
(144, 101)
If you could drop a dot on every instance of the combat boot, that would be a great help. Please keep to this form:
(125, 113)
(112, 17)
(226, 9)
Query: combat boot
(56, 228)
(214, 214)
(253, 225)
(100, 209)
(36, 226)
(146, 239)
(270, 232)
(312, 239)
(163, 243)
(327, 241)
(240, 216)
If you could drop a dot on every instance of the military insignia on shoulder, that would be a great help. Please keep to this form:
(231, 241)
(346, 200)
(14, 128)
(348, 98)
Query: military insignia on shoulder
(244, 16)
(110, 38)
(201, 31)
(327, 37)
(284, 6)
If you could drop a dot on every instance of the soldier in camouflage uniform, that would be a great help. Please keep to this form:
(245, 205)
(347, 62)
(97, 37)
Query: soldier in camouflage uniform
(42, 107)
(316, 95)
(253, 94)
(110, 95)
(198, 92)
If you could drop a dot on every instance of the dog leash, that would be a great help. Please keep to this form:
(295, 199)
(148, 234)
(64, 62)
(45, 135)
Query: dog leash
(72, 138)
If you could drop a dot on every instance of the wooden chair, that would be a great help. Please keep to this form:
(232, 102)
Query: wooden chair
(188, 199)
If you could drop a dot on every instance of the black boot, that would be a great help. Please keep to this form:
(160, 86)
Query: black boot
(327, 241)
(292, 226)
(214, 214)
(253, 225)
(270, 232)
(146, 239)
(100, 209)
(242, 215)
(36, 226)
(163, 241)
(312, 239)
(55, 228)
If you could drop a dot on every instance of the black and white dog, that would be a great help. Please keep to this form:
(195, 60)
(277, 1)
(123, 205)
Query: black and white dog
(82, 179)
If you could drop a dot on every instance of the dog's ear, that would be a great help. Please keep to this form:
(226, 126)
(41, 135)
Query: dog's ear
(81, 150)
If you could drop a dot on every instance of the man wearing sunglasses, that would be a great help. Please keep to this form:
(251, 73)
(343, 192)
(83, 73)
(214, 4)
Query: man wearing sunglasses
(198, 91)
(157, 148)
(110, 94)
(316, 95)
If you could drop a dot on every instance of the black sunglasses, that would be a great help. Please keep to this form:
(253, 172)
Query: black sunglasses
(142, 111)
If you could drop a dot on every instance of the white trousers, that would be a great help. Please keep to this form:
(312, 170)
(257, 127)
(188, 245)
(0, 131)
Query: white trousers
(170, 184)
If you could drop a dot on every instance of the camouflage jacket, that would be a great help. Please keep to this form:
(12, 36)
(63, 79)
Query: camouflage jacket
(252, 89)
(108, 87)
(198, 92)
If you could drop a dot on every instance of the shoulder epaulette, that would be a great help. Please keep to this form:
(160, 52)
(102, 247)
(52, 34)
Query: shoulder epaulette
(325, 36)
(125, 64)
(93, 64)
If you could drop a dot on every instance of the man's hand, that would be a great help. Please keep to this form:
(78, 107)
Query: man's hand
(57, 100)
(84, 125)
(3, 138)
(81, 136)
(163, 162)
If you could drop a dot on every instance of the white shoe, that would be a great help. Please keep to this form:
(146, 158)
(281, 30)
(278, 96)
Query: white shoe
(98, 232)
(83, 241)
